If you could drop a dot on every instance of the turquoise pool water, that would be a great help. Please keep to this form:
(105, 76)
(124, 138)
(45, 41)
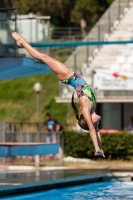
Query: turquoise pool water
(95, 191)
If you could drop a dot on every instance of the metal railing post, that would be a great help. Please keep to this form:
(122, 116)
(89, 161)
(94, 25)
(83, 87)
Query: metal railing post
(119, 9)
(98, 33)
(36, 30)
(2, 138)
(27, 134)
(62, 141)
(16, 31)
(109, 20)
(75, 60)
(37, 157)
(48, 37)
(21, 133)
(87, 53)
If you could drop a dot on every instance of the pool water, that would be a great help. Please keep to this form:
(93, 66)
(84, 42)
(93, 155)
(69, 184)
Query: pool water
(98, 191)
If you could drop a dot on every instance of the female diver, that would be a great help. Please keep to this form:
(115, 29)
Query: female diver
(88, 120)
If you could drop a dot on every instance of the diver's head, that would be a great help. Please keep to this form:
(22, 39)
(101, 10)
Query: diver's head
(82, 123)
(81, 120)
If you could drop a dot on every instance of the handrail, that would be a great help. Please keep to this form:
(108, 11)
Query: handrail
(62, 44)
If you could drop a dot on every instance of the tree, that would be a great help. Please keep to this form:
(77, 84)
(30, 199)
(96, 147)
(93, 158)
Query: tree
(89, 10)
(63, 12)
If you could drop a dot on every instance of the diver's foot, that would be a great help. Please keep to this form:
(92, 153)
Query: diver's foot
(18, 38)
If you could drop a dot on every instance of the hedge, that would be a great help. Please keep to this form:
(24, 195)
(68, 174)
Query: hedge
(115, 145)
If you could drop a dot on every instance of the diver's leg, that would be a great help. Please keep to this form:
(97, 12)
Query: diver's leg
(59, 68)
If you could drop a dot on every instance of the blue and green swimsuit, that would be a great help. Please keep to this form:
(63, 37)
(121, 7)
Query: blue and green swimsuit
(81, 87)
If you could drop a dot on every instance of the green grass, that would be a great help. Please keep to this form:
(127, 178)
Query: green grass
(18, 99)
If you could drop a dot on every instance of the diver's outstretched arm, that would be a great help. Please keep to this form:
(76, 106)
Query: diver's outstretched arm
(99, 139)
(59, 68)
(92, 130)
(86, 111)
(86, 107)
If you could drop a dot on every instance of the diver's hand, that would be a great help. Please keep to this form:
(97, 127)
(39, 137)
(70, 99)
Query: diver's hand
(103, 153)
(99, 153)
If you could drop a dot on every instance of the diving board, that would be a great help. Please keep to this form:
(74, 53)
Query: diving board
(11, 68)
(12, 149)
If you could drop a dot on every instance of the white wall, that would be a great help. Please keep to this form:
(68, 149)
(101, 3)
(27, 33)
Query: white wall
(31, 29)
